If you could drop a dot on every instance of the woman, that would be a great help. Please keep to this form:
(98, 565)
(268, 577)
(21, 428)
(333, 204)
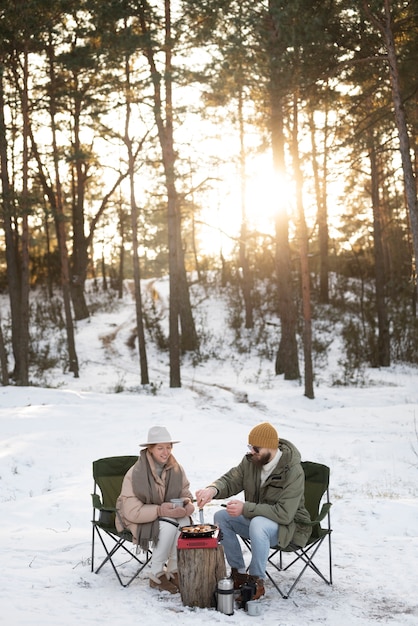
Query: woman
(145, 508)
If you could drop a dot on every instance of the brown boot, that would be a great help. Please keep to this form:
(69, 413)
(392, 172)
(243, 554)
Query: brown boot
(162, 583)
(259, 587)
(257, 584)
(238, 578)
(174, 578)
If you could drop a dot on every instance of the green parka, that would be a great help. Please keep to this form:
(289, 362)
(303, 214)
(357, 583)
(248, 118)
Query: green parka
(280, 499)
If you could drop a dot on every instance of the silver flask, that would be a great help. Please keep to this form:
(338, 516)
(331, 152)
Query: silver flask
(225, 596)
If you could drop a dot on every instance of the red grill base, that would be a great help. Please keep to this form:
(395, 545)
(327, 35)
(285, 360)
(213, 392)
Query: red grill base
(195, 542)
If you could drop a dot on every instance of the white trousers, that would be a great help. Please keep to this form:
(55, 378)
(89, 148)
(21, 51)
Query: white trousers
(165, 551)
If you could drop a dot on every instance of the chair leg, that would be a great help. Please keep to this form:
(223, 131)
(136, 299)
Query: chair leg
(330, 558)
(110, 553)
(147, 560)
(306, 555)
(273, 582)
(329, 541)
(307, 559)
(92, 547)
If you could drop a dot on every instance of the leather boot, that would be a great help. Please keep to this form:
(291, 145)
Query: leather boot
(162, 583)
(238, 578)
(174, 578)
(259, 587)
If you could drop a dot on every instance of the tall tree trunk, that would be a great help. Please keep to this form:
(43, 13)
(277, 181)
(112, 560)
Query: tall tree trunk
(174, 230)
(245, 275)
(23, 374)
(12, 265)
(49, 271)
(79, 256)
(189, 339)
(195, 248)
(104, 277)
(194, 239)
(287, 361)
(384, 25)
(121, 268)
(65, 283)
(134, 221)
(55, 200)
(323, 218)
(137, 287)
(245, 278)
(304, 258)
(22, 251)
(57, 207)
(383, 340)
(321, 203)
(174, 280)
(3, 360)
(179, 303)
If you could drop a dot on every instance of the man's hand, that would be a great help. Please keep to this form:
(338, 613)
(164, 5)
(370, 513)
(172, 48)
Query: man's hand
(203, 496)
(235, 508)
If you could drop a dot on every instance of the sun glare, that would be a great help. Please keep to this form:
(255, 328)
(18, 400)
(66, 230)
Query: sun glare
(265, 194)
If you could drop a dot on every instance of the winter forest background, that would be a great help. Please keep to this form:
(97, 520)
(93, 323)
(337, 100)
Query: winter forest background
(263, 152)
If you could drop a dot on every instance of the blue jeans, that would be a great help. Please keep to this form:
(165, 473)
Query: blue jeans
(261, 531)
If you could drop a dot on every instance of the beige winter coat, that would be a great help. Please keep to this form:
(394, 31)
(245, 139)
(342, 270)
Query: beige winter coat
(132, 512)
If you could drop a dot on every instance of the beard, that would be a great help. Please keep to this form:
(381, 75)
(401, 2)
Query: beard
(260, 460)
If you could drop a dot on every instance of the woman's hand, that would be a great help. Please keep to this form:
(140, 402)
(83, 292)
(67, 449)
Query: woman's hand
(167, 509)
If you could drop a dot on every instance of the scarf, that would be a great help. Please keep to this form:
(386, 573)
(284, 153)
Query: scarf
(149, 488)
(267, 469)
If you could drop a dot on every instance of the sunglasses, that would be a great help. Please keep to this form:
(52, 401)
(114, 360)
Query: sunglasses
(255, 449)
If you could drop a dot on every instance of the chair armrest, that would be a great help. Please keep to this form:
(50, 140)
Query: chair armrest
(323, 513)
(107, 513)
(97, 503)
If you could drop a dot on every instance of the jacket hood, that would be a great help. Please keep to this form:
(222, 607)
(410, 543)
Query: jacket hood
(290, 454)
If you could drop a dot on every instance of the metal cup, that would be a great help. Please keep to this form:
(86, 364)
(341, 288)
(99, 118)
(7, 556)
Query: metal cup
(253, 607)
(177, 502)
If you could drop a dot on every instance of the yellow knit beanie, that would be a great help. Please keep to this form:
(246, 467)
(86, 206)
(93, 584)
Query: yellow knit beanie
(264, 436)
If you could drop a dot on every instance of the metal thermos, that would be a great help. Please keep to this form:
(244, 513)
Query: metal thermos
(225, 596)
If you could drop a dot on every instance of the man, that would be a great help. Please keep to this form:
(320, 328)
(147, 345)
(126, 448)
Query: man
(273, 513)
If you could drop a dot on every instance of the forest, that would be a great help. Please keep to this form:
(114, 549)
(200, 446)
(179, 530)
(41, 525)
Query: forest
(270, 143)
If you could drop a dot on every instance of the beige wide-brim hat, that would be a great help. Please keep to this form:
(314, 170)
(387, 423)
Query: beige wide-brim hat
(158, 434)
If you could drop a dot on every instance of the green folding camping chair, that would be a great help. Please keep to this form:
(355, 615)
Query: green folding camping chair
(108, 474)
(303, 559)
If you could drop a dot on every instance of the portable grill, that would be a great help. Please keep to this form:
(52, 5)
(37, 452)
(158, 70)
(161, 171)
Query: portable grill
(196, 542)
(197, 536)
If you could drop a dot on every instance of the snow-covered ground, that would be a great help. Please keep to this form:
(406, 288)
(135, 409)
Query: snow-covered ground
(50, 436)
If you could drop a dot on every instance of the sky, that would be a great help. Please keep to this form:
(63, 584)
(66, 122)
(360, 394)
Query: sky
(51, 435)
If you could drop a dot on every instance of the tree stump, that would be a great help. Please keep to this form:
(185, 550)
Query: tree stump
(199, 571)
